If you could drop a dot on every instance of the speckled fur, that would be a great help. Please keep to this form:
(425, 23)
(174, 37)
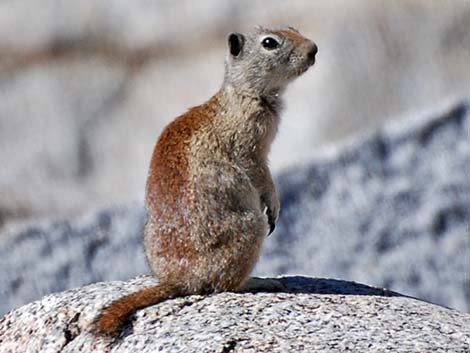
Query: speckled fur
(209, 181)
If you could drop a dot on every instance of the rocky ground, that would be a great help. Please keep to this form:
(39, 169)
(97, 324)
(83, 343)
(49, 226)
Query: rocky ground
(389, 209)
(314, 315)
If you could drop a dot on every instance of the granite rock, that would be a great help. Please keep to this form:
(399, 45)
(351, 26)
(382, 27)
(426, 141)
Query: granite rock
(38, 259)
(315, 315)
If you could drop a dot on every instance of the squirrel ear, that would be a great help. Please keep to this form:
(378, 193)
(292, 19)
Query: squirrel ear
(235, 43)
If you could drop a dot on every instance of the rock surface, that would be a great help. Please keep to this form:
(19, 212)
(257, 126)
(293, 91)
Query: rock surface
(87, 86)
(315, 315)
(390, 209)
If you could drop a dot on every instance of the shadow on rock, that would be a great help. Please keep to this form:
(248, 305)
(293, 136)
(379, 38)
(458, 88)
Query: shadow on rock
(300, 284)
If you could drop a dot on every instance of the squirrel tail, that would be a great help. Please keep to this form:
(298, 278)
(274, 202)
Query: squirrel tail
(112, 318)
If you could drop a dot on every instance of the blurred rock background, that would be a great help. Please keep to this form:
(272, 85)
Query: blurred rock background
(87, 86)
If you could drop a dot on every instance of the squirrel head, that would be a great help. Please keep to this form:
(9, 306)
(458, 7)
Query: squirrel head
(265, 61)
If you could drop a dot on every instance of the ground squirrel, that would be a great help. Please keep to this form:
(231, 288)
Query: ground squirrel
(210, 196)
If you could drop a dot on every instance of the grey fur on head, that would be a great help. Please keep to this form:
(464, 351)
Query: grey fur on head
(263, 62)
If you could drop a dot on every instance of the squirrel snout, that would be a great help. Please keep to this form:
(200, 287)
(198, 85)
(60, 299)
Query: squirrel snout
(312, 52)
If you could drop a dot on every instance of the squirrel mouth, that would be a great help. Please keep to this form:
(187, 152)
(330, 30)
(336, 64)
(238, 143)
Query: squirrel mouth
(309, 63)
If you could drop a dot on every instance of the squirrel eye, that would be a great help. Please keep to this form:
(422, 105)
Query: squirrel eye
(270, 43)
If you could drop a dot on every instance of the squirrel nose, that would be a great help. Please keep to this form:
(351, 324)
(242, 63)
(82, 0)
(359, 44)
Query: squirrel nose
(312, 52)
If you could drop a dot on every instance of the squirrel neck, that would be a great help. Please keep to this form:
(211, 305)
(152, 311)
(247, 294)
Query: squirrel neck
(245, 104)
(236, 96)
(247, 121)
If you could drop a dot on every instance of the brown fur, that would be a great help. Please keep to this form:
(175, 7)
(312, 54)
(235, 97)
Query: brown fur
(112, 317)
(209, 183)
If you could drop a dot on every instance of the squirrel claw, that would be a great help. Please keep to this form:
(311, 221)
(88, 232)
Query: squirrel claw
(272, 226)
(271, 220)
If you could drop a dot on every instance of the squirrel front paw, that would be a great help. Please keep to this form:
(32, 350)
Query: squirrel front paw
(271, 209)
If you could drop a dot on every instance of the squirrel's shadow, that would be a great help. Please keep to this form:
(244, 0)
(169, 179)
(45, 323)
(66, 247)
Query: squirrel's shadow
(309, 285)
(301, 284)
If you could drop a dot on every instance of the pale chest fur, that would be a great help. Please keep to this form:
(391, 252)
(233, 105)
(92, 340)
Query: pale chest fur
(251, 136)
(241, 131)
